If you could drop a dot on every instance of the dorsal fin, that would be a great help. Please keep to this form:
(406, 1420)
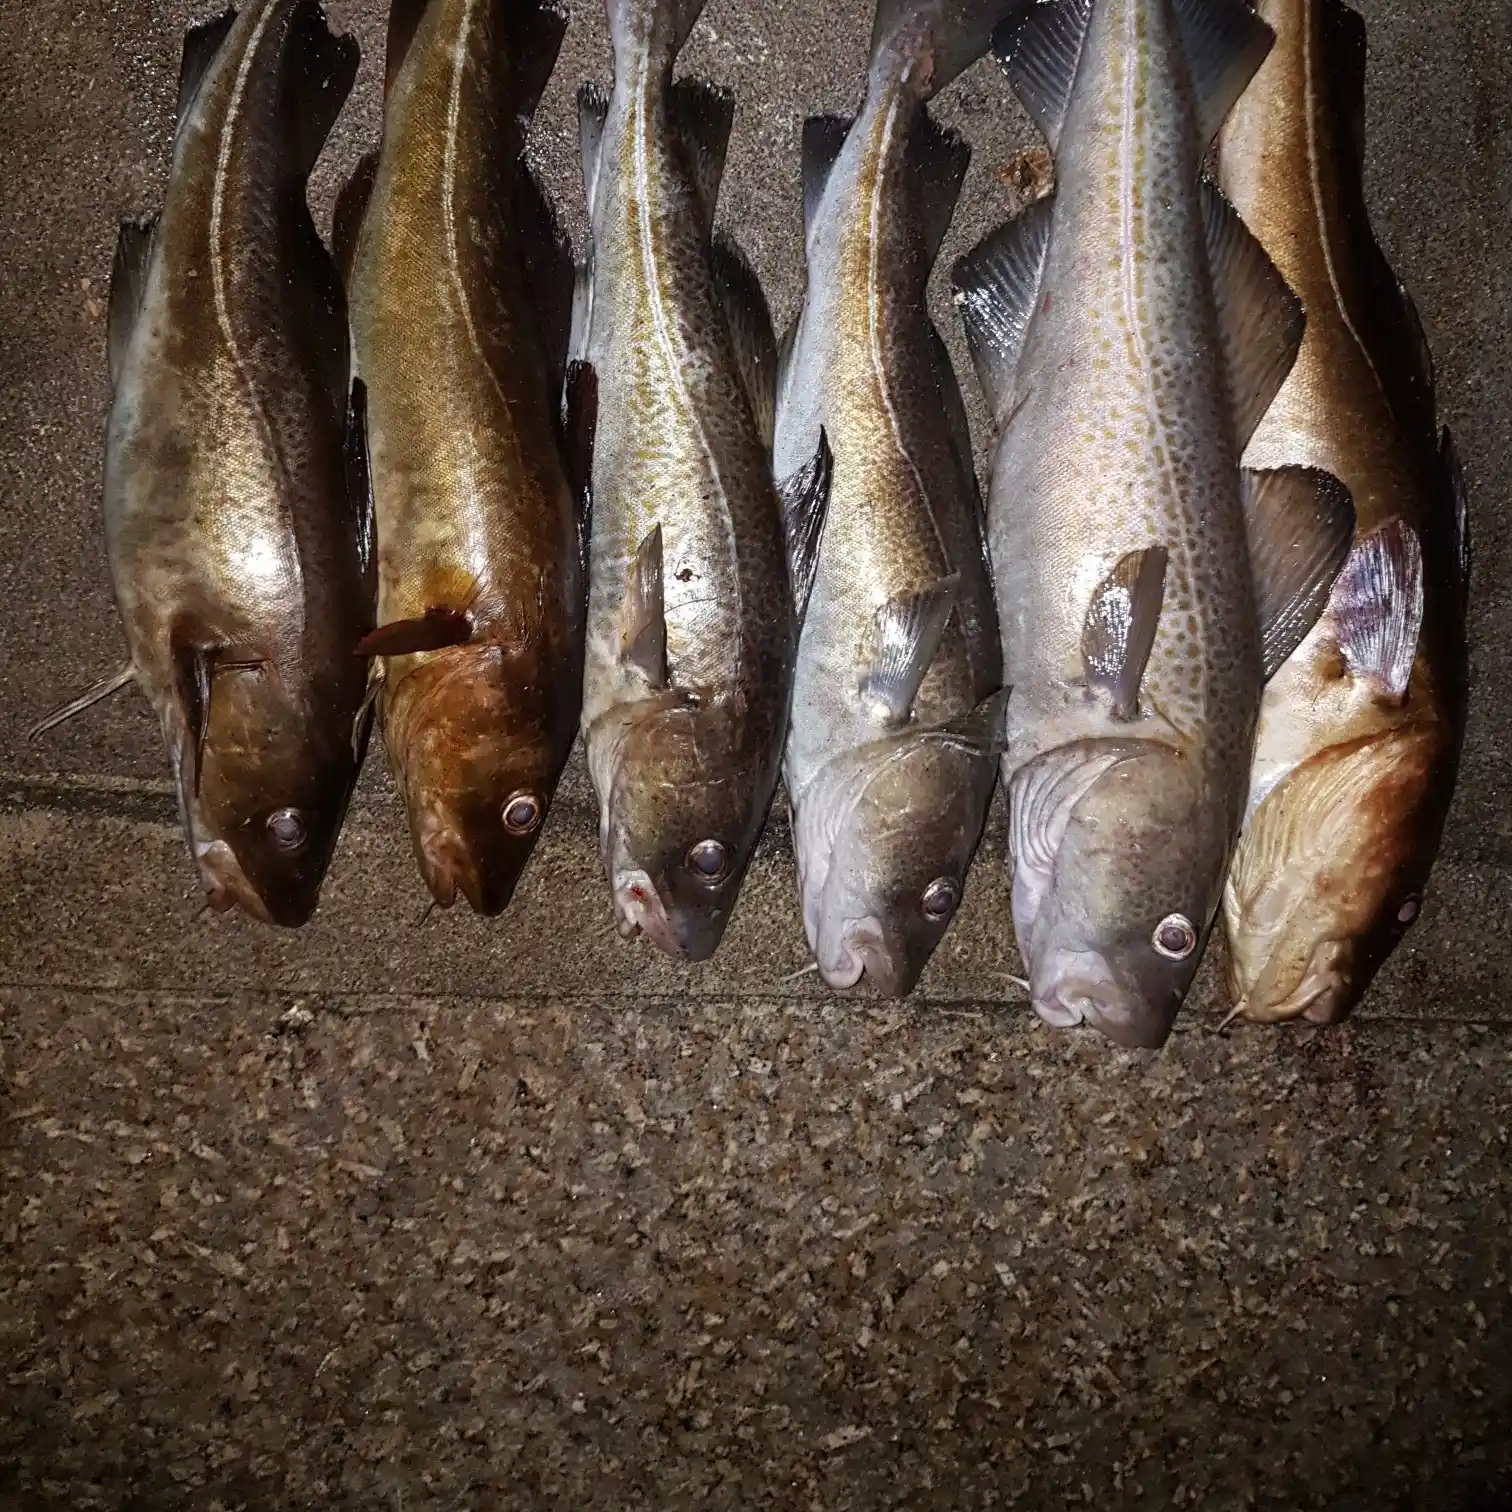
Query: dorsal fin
(932, 42)
(996, 290)
(702, 116)
(938, 160)
(1040, 50)
(1260, 320)
(201, 44)
(823, 139)
(534, 32)
(549, 270)
(1225, 43)
(319, 70)
(351, 208)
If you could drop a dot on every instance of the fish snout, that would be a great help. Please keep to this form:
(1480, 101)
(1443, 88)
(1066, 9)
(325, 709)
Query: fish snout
(1081, 989)
(226, 886)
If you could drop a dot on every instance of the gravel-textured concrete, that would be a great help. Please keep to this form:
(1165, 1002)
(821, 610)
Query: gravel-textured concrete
(512, 1215)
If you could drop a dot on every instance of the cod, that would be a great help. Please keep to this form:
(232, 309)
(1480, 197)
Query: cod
(1130, 333)
(698, 559)
(1360, 730)
(461, 292)
(236, 510)
(892, 755)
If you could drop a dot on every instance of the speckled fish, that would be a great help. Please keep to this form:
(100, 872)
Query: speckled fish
(461, 295)
(1360, 731)
(235, 512)
(892, 755)
(1130, 333)
(692, 625)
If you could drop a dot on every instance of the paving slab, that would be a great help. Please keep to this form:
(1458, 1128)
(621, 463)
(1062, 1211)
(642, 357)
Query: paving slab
(451, 1214)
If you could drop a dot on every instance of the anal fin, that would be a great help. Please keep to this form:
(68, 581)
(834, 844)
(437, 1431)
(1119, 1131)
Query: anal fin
(1300, 523)
(1260, 320)
(749, 321)
(1377, 609)
(823, 139)
(910, 627)
(1118, 633)
(128, 288)
(805, 503)
(997, 288)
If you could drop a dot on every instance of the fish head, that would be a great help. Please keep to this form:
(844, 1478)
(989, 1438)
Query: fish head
(478, 738)
(884, 838)
(1330, 873)
(266, 789)
(1119, 855)
(685, 804)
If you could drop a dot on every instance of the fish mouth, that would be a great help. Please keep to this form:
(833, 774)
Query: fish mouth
(450, 870)
(639, 910)
(1080, 988)
(1323, 996)
(226, 887)
(862, 951)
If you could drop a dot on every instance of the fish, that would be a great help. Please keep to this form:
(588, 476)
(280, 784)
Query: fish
(892, 753)
(1130, 332)
(237, 522)
(1361, 729)
(461, 286)
(695, 550)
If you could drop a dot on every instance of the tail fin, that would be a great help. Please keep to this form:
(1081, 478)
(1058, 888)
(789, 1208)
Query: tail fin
(658, 28)
(930, 42)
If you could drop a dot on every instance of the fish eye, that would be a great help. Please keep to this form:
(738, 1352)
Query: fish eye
(1410, 909)
(523, 813)
(940, 898)
(1175, 937)
(288, 830)
(708, 861)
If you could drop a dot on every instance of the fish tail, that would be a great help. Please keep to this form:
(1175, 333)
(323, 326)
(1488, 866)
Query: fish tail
(928, 43)
(651, 28)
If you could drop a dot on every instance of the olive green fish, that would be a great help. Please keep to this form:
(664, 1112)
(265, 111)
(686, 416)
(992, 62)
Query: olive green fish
(461, 293)
(1360, 731)
(235, 510)
(692, 617)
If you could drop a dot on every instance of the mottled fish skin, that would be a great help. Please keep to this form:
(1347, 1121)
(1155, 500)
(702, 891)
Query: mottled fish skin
(684, 772)
(886, 812)
(1121, 437)
(233, 543)
(1352, 776)
(476, 517)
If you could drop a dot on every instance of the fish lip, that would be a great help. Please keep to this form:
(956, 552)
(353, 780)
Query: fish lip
(226, 887)
(862, 952)
(1081, 989)
(640, 911)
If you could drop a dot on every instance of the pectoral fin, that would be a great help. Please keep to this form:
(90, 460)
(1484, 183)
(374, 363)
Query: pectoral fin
(805, 503)
(1459, 503)
(984, 729)
(1300, 524)
(86, 700)
(909, 629)
(194, 678)
(436, 630)
(359, 476)
(1118, 633)
(643, 626)
(1377, 608)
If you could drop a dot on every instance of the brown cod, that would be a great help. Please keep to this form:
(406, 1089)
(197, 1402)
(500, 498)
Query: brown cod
(235, 509)
(1360, 730)
(461, 292)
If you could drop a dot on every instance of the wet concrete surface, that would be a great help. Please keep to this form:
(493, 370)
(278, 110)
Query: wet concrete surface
(513, 1215)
